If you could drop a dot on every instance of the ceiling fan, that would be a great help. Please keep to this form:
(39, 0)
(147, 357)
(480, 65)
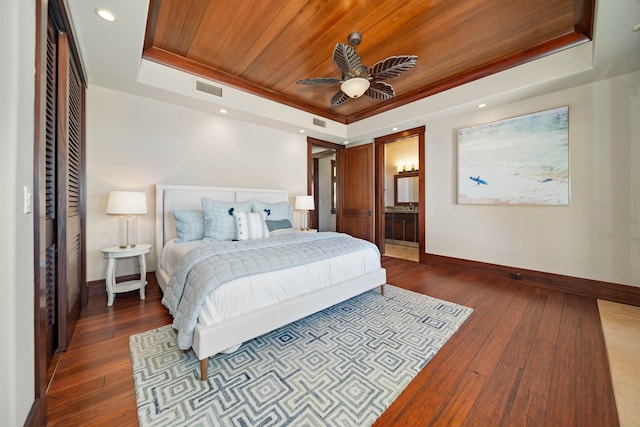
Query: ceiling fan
(358, 79)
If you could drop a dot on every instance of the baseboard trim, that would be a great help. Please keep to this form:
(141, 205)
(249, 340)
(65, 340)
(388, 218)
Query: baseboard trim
(37, 414)
(573, 285)
(557, 282)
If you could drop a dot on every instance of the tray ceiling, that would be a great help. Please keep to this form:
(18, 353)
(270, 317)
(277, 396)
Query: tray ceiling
(263, 47)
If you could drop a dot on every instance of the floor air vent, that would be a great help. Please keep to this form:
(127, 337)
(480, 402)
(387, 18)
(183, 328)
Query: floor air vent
(208, 88)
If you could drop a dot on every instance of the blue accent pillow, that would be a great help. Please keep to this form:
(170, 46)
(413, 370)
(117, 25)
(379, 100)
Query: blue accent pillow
(274, 211)
(278, 224)
(219, 222)
(189, 225)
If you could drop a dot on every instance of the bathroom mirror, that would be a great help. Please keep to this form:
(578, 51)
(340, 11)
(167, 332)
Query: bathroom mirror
(406, 189)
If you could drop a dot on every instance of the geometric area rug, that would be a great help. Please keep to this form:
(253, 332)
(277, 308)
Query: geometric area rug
(342, 366)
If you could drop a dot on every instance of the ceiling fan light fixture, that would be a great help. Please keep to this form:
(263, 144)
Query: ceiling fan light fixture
(355, 87)
(360, 79)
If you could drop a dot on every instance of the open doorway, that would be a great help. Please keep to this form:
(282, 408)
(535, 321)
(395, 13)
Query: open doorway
(400, 194)
(317, 149)
(322, 183)
(401, 204)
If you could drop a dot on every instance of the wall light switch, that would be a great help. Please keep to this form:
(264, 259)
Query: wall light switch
(28, 200)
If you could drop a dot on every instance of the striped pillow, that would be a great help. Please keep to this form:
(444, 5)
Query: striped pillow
(251, 225)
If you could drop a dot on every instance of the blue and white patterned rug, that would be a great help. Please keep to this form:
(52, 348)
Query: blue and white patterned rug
(342, 366)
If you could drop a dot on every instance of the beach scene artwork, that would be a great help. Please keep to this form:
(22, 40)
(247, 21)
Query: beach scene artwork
(522, 160)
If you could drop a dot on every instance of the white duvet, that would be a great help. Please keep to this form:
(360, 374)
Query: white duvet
(246, 294)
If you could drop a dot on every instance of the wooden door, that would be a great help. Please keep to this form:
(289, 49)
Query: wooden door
(47, 194)
(45, 205)
(58, 182)
(70, 161)
(356, 192)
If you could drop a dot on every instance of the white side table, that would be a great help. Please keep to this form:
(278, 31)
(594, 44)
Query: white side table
(112, 253)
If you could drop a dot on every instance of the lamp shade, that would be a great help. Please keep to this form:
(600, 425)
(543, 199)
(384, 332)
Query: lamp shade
(355, 87)
(127, 203)
(304, 203)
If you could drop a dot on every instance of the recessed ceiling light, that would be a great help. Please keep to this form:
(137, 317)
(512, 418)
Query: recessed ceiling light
(482, 105)
(106, 15)
(345, 142)
(223, 111)
(301, 130)
(394, 129)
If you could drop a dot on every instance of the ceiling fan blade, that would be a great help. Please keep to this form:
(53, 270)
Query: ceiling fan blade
(392, 66)
(320, 81)
(339, 98)
(348, 61)
(380, 90)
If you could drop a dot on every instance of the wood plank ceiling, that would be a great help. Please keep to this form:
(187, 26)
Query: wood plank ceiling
(265, 46)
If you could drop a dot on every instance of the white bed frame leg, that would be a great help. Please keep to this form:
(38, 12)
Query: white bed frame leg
(204, 369)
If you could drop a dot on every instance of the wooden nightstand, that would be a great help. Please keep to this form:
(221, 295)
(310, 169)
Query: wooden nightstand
(113, 253)
(308, 230)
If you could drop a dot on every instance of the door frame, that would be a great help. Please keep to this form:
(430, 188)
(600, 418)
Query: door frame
(312, 177)
(379, 146)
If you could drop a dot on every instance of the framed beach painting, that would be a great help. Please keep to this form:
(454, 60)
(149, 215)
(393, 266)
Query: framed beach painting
(522, 160)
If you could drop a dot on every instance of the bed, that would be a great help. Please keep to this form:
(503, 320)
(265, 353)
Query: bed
(221, 315)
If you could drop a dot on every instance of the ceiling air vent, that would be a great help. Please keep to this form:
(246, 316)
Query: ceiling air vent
(319, 122)
(208, 88)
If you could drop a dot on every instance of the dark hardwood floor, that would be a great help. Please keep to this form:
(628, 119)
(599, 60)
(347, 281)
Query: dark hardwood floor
(525, 357)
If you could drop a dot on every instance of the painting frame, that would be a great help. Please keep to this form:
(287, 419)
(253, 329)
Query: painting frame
(520, 160)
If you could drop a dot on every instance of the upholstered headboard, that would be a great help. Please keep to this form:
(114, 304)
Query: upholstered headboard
(171, 196)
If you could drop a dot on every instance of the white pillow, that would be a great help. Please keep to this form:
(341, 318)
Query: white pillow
(251, 225)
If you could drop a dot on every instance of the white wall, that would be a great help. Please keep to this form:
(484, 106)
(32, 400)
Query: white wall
(134, 143)
(596, 237)
(17, 43)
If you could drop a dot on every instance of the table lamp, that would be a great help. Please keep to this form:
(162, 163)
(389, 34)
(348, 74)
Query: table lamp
(127, 204)
(306, 204)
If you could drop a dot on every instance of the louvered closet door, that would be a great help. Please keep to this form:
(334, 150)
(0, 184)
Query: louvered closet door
(70, 153)
(47, 200)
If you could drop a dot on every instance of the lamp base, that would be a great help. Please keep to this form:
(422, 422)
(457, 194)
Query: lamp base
(127, 231)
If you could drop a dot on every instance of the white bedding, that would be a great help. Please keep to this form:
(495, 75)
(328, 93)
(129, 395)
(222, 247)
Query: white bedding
(249, 293)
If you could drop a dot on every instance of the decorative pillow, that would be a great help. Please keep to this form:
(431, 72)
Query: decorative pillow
(189, 225)
(274, 211)
(278, 224)
(279, 227)
(251, 225)
(219, 222)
